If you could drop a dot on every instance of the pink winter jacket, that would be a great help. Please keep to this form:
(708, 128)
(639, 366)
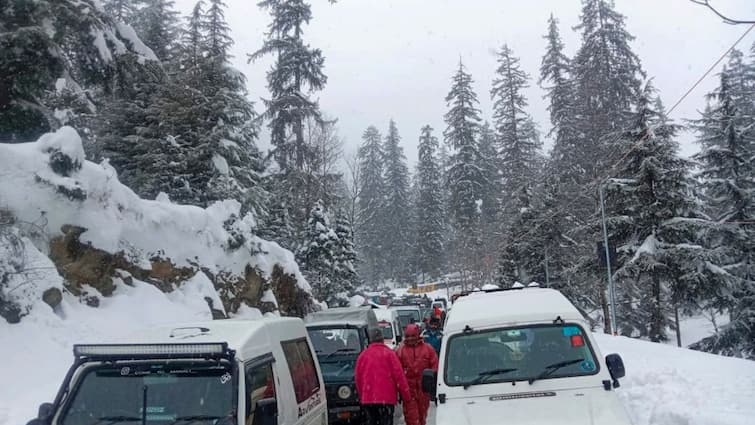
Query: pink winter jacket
(379, 376)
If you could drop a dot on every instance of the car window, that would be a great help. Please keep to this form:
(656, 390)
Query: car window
(328, 341)
(387, 329)
(528, 351)
(301, 365)
(260, 385)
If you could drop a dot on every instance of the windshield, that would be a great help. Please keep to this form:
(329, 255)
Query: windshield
(329, 341)
(168, 391)
(407, 316)
(340, 370)
(387, 330)
(515, 354)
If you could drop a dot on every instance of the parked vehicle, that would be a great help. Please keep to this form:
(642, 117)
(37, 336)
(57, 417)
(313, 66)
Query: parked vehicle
(389, 324)
(526, 352)
(225, 372)
(339, 335)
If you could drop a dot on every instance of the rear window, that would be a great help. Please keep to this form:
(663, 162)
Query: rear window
(387, 330)
(301, 365)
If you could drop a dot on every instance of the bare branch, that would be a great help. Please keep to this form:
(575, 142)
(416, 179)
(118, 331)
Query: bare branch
(726, 19)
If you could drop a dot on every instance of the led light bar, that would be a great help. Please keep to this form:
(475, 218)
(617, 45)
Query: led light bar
(150, 350)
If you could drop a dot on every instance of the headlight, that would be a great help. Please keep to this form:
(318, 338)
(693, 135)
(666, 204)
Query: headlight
(344, 392)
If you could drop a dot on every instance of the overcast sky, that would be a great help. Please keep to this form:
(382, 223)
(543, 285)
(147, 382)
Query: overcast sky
(394, 58)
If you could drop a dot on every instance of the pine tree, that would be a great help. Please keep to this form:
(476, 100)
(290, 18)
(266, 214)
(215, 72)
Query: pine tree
(556, 80)
(520, 256)
(607, 78)
(465, 178)
(516, 134)
(157, 23)
(659, 229)
(56, 54)
(490, 214)
(727, 135)
(395, 212)
(429, 212)
(296, 72)
(345, 274)
(316, 256)
(371, 204)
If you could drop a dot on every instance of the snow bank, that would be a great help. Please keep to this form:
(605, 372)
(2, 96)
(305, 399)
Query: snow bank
(89, 195)
(666, 385)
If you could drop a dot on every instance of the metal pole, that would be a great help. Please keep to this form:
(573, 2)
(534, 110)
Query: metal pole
(547, 274)
(611, 291)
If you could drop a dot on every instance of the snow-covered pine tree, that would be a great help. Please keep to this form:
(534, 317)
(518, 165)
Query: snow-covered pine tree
(726, 133)
(395, 212)
(371, 204)
(56, 53)
(429, 211)
(520, 254)
(555, 79)
(490, 209)
(345, 275)
(297, 71)
(607, 76)
(516, 135)
(659, 229)
(465, 178)
(206, 118)
(157, 23)
(316, 256)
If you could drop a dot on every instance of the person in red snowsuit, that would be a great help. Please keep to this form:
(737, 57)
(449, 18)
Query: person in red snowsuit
(416, 356)
(378, 378)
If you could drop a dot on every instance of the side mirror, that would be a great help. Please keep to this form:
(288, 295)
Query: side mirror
(266, 412)
(615, 367)
(430, 382)
(44, 414)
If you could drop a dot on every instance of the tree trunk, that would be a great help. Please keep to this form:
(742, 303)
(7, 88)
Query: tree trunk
(656, 313)
(606, 312)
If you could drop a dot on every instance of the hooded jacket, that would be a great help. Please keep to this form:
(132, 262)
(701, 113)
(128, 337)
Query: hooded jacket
(379, 376)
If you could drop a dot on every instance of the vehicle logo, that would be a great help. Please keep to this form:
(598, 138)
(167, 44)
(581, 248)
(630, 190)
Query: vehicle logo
(502, 397)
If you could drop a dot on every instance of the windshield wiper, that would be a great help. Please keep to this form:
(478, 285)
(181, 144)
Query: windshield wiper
(554, 367)
(195, 418)
(340, 350)
(115, 419)
(483, 375)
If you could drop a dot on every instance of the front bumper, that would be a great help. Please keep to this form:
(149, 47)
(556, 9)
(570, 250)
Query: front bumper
(344, 414)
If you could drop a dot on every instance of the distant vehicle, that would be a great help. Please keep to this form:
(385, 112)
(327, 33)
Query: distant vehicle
(339, 335)
(389, 323)
(224, 372)
(443, 301)
(408, 314)
(526, 352)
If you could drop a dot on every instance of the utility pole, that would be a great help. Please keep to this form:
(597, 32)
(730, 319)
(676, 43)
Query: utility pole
(611, 290)
(547, 274)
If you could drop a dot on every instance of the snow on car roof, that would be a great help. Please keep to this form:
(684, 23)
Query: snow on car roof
(355, 316)
(484, 309)
(244, 336)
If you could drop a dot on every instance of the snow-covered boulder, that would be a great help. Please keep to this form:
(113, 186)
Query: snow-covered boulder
(92, 235)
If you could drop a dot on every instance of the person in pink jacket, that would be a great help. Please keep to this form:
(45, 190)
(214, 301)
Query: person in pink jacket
(379, 377)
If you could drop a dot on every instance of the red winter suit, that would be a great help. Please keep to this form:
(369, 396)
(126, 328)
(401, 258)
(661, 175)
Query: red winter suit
(379, 376)
(416, 356)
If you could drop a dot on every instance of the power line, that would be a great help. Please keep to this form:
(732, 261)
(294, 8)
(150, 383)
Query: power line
(712, 67)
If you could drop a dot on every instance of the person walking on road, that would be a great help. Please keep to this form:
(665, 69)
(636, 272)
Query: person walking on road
(433, 335)
(379, 378)
(416, 356)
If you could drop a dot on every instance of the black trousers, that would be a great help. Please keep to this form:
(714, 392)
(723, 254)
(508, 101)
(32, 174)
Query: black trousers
(378, 414)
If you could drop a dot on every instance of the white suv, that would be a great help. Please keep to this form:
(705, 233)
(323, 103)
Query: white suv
(523, 356)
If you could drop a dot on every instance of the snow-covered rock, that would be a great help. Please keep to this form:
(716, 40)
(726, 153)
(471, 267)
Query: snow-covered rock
(87, 218)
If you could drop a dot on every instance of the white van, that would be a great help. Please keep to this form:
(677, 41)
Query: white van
(224, 372)
(523, 356)
(389, 324)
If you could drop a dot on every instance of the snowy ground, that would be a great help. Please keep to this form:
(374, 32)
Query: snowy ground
(664, 385)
